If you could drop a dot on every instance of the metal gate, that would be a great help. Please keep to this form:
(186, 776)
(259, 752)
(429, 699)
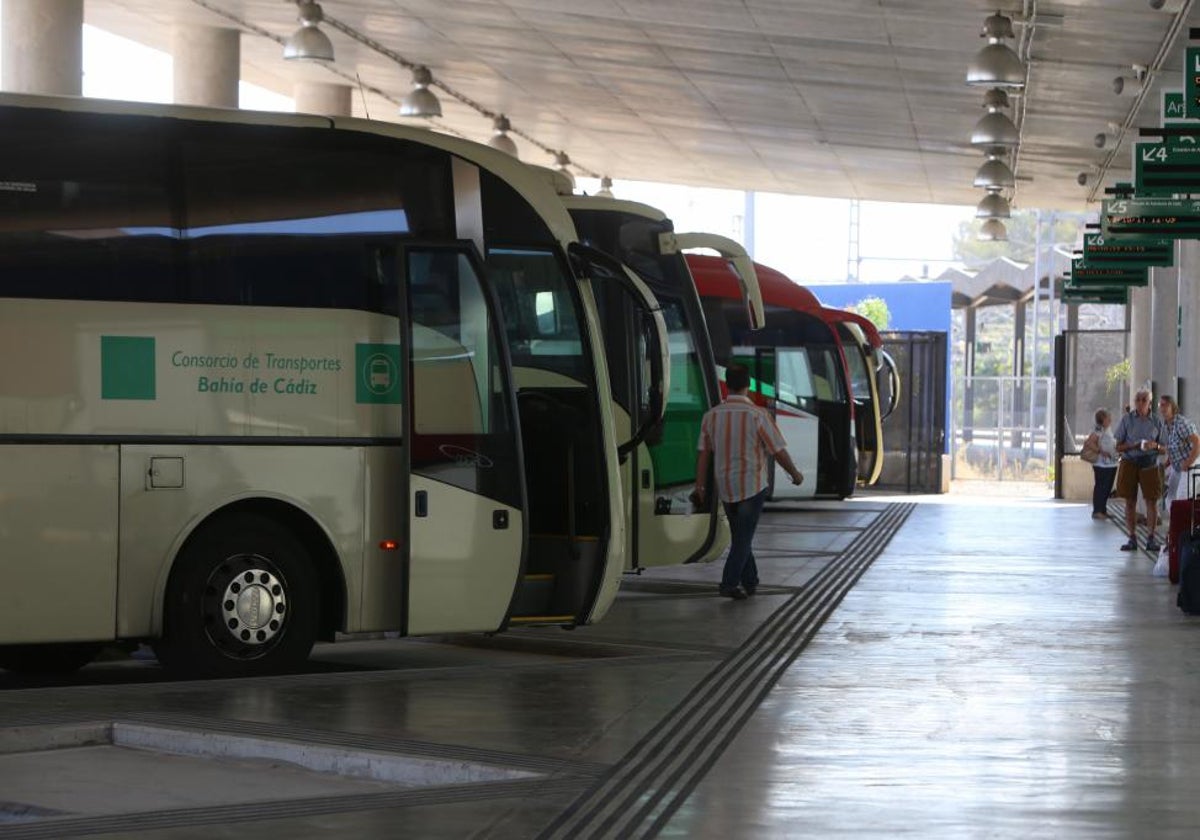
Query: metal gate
(914, 434)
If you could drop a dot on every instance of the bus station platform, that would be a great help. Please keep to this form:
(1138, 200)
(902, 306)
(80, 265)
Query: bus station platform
(944, 666)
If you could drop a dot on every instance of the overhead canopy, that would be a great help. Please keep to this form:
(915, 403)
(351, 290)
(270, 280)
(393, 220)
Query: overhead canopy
(850, 99)
(1005, 281)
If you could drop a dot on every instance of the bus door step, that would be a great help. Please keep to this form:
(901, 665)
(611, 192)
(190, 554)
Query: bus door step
(534, 596)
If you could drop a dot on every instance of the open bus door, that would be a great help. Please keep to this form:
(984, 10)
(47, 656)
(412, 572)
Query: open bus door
(636, 343)
(467, 486)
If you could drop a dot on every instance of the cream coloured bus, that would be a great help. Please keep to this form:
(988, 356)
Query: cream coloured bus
(659, 475)
(261, 387)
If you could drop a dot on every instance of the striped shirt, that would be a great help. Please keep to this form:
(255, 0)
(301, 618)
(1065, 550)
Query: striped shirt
(742, 437)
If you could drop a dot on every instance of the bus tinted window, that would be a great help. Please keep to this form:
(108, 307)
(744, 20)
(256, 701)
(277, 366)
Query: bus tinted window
(461, 430)
(272, 221)
(85, 211)
(539, 311)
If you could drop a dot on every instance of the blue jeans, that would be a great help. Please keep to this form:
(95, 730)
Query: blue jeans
(740, 568)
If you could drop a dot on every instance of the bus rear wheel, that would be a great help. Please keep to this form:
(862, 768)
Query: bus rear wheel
(241, 600)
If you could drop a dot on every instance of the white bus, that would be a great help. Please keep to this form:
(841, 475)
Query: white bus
(260, 388)
(660, 474)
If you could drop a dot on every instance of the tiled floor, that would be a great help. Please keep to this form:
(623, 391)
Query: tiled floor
(1001, 670)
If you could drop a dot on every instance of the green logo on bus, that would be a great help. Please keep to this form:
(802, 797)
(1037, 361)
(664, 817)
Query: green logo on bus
(126, 367)
(377, 374)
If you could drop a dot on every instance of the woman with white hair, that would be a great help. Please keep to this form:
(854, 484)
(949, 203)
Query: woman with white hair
(1104, 468)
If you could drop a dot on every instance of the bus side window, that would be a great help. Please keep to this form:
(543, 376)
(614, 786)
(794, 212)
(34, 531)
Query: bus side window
(85, 211)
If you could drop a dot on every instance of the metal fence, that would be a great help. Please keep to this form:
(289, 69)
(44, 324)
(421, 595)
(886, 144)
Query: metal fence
(1001, 427)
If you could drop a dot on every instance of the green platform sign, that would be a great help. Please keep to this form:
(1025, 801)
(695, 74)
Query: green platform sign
(1085, 275)
(1174, 110)
(1172, 218)
(1118, 296)
(1169, 167)
(1191, 83)
(1100, 251)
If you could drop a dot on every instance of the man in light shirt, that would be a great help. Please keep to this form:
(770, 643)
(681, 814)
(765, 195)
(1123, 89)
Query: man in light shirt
(1140, 439)
(739, 439)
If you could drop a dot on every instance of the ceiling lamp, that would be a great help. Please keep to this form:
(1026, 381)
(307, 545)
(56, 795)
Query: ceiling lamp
(996, 65)
(561, 162)
(500, 139)
(993, 230)
(995, 129)
(308, 43)
(420, 101)
(995, 174)
(605, 187)
(993, 206)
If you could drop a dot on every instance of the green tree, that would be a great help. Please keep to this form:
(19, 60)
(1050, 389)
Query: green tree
(1116, 376)
(1057, 229)
(875, 310)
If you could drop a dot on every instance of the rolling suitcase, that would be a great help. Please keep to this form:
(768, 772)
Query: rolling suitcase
(1179, 527)
(1187, 542)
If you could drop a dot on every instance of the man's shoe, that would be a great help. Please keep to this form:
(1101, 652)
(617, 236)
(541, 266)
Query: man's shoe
(1153, 544)
(1130, 546)
(750, 590)
(736, 593)
(1099, 515)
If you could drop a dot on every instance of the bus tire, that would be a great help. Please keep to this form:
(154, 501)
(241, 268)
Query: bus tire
(241, 600)
(47, 659)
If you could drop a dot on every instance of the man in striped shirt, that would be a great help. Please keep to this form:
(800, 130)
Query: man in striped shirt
(739, 439)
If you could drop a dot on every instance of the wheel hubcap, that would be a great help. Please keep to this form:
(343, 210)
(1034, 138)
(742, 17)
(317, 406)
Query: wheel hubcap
(253, 606)
(245, 606)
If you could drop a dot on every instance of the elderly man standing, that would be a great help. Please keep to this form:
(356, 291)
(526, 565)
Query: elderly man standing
(1183, 445)
(1140, 438)
(740, 439)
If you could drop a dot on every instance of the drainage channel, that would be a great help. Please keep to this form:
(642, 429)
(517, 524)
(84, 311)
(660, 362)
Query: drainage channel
(648, 785)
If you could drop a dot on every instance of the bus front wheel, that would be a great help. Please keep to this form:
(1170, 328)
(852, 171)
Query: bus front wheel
(242, 600)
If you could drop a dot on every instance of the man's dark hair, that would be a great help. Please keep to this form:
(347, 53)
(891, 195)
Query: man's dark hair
(737, 377)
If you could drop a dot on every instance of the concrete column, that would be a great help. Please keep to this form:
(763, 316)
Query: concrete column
(1140, 337)
(208, 65)
(1187, 372)
(324, 98)
(1164, 305)
(42, 47)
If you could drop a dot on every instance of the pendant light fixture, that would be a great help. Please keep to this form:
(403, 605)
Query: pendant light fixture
(993, 230)
(993, 206)
(995, 128)
(996, 65)
(421, 101)
(561, 163)
(500, 139)
(995, 174)
(308, 43)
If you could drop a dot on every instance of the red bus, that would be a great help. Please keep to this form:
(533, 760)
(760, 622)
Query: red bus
(817, 370)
